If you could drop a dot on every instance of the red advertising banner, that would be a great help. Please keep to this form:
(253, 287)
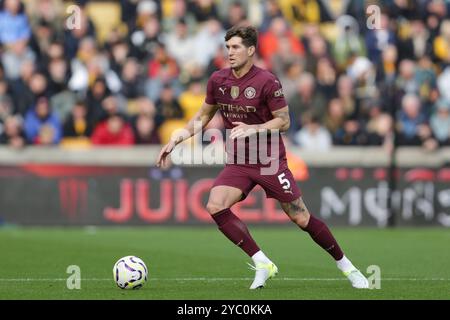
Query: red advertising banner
(95, 195)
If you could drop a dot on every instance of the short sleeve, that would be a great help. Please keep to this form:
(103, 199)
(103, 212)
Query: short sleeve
(210, 98)
(274, 94)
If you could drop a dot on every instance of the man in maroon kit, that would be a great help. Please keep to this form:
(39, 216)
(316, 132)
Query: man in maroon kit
(254, 112)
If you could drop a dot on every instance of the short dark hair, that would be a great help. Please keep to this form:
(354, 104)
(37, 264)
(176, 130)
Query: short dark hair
(248, 34)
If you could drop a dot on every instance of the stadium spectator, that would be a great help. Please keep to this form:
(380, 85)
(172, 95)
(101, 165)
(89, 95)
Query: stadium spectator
(25, 94)
(210, 32)
(352, 133)
(412, 126)
(47, 12)
(164, 43)
(326, 77)
(290, 76)
(313, 136)
(270, 40)
(77, 125)
(73, 36)
(12, 134)
(97, 92)
(440, 122)
(167, 106)
(380, 129)
(307, 100)
(132, 80)
(14, 27)
(145, 130)
(271, 10)
(181, 44)
(42, 126)
(335, 116)
(203, 10)
(114, 130)
(377, 39)
(317, 49)
(162, 70)
(346, 94)
(348, 42)
(145, 40)
(236, 14)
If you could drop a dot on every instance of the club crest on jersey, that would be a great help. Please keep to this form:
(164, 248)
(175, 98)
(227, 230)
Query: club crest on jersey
(234, 92)
(250, 92)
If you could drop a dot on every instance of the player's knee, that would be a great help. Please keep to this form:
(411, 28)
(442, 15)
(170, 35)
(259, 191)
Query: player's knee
(214, 207)
(301, 220)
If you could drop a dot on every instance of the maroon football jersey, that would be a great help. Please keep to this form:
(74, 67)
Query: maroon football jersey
(250, 99)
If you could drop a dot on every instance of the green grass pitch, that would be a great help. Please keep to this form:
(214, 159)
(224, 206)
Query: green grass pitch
(195, 263)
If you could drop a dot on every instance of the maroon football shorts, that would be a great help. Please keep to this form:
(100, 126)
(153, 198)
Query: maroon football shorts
(281, 185)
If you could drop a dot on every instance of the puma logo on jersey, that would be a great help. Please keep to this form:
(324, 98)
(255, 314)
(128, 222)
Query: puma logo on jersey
(222, 89)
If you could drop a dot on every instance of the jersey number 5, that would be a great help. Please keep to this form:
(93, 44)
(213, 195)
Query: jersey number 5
(284, 182)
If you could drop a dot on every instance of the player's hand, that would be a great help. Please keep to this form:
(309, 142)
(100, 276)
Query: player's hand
(243, 130)
(165, 151)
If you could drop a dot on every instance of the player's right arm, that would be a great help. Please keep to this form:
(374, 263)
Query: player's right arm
(203, 116)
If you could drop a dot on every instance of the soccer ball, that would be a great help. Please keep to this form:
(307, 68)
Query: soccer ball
(130, 272)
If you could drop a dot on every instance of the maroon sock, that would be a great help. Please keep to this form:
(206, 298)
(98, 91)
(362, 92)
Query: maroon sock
(320, 233)
(235, 230)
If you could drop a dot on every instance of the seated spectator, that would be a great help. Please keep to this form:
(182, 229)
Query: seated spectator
(313, 136)
(15, 33)
(290, 76)
(42, 125)
(181, 45)
(145, 130)
(326, 77)
(6, 103)
(440, 122)
(306, 100)
(346, 93)
(380, 131)
(378, 39)
(113, 131)
(351, 134)
(412, 126)
(14, 26)
(97, 92)
(167, 106)
(162, 69)
(317, 49)
(131, 79)
(77, 124)
(13, 135)
(406, 81)
(144, 40)
(335, 116)
(348, 42)
(270, 40)
(236, 13)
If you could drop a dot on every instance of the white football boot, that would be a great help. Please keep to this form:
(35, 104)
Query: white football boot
(263, 272)
(357, 279)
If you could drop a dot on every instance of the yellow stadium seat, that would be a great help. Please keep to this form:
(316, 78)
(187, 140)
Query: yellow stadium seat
(75, 143)
(106, 16)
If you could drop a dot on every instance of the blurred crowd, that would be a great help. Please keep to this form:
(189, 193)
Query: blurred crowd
(350, 78)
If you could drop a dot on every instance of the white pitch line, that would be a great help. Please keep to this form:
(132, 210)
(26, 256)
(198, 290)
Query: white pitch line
(218, 279)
